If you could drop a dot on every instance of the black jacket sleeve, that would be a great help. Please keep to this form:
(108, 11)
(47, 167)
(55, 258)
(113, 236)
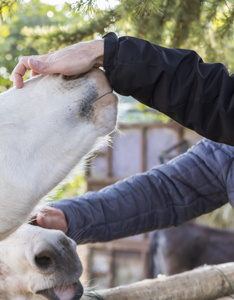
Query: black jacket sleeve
(191, 185)
(176, 82)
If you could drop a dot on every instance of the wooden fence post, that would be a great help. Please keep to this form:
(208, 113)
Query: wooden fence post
(204, 283)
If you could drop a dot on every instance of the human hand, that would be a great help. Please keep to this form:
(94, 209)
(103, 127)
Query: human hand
(50, 218)
(73, 60)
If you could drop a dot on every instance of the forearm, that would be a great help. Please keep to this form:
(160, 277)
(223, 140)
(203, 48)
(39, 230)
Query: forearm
(168, 195)
(176, 82)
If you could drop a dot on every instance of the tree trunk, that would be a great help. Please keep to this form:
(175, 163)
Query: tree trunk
(206, 283)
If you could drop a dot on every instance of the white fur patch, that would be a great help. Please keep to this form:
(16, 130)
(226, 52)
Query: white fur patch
(45, 129)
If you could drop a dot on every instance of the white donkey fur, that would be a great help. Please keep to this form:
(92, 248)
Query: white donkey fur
(39, 264)
(45, 129)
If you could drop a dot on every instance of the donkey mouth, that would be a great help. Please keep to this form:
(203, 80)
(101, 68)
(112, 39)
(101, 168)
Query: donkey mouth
(72, 291)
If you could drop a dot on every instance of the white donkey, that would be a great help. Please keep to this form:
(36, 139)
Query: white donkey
(39, 264)
(45, 129)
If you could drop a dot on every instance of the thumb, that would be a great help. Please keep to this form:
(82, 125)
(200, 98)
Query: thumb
(40, 67)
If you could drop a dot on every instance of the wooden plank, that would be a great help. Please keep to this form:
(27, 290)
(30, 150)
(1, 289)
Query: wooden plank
(204, 283)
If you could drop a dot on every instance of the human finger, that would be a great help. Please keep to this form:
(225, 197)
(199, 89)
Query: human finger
(19, 71)
(50, 218)
(46, 67)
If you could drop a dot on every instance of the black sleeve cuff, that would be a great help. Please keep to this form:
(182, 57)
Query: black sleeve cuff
(111, 44)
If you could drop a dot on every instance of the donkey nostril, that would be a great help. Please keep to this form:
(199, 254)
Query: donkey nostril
(43, 261)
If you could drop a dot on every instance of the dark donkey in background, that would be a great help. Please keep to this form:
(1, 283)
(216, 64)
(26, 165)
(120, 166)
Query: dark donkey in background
(178, 249)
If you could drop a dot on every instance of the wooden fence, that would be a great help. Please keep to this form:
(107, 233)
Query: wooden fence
(204, 283)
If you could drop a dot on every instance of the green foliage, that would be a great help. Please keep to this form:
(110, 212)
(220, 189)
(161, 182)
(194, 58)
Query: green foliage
(7, 8)
(220, 218)
(73, 187)
(61, 36)
(13, 42)
(146, 117)
(135, 112)
(32, 27)
(205, 26)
